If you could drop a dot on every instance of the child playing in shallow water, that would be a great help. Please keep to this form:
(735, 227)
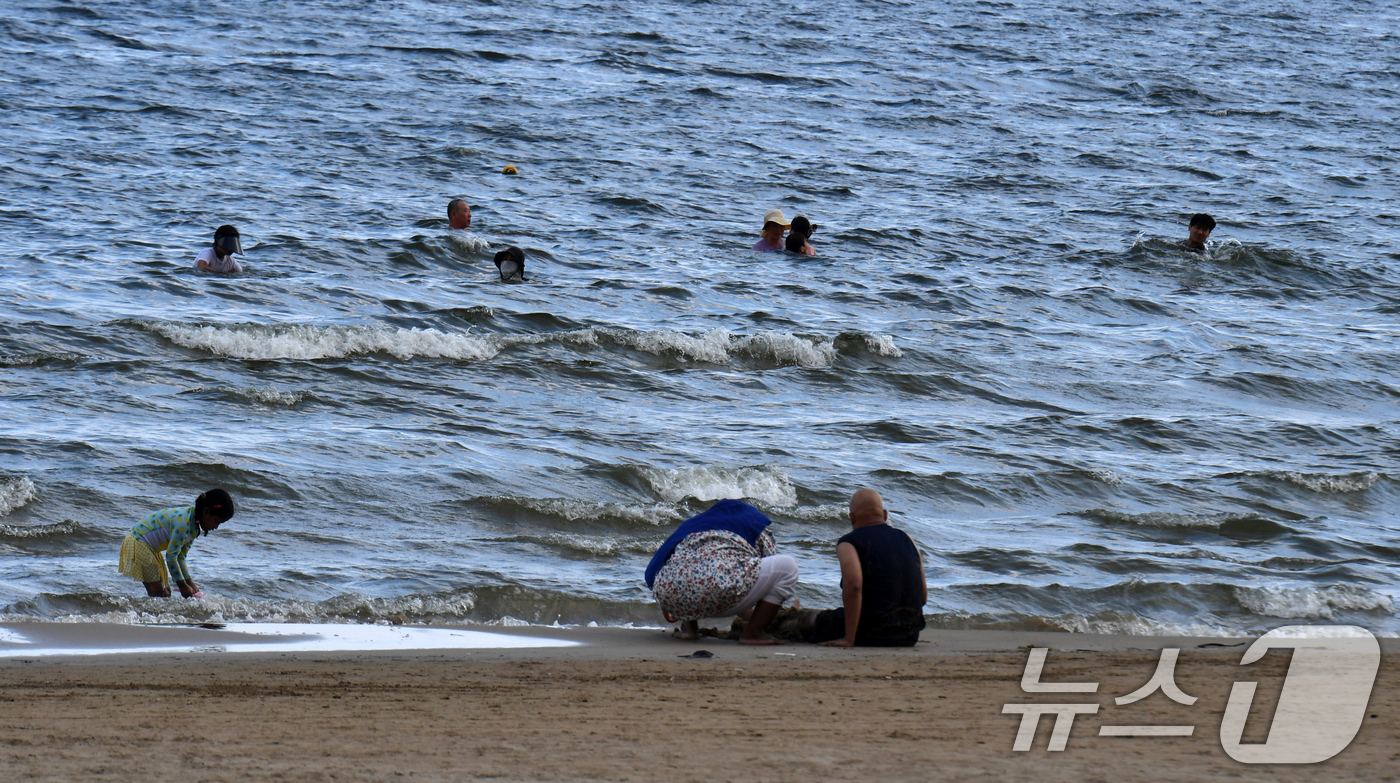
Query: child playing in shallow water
(172, 531)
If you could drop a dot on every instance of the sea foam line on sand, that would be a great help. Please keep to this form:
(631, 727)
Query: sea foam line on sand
(39, 640)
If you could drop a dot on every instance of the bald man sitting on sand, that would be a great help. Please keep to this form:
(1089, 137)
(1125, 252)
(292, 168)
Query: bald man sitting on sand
(883, 590)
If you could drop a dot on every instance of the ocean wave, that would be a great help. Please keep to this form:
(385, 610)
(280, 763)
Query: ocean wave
(36, 359)
(492, 604)
(1311, 603)
(468, 242)
(268, 396)
(52, 530)
(306, 342)
(720, 346)
(15, 493)
(311, 342)
(1220, 522)
(574, 510)
(578, 544)
(1107, 622)
(829, 512)
(1326, 483)
(767, 485)
(43, 536)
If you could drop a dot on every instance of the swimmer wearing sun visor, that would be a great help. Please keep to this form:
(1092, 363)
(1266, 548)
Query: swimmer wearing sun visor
(219, 257)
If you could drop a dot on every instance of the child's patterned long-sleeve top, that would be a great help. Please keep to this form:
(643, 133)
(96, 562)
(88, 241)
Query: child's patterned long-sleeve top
(709, 572)
(171, 530)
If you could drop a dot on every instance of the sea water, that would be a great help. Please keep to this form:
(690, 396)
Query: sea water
(1082, 424)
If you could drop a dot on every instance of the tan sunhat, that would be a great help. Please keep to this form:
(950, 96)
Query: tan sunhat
(775, 216)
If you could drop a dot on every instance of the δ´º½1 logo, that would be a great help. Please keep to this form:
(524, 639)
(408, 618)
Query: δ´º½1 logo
(1320, 709)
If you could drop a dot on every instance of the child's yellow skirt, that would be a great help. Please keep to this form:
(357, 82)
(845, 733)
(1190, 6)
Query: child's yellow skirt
(141, 563)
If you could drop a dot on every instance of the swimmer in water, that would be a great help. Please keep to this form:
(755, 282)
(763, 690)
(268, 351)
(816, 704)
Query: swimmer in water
(459, 215)
(172, 531)
(802, 230)
(219, 258)
(511, 264)
(774, 225)
(1200, 228)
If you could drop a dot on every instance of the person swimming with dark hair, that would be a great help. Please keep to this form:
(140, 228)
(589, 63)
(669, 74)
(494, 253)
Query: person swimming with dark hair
(800, 232)
(459, 214)
(511, 264)
(1199, 231)
(219, 258)
(172, 531)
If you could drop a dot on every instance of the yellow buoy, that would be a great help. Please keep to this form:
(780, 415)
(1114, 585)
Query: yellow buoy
(509, 170)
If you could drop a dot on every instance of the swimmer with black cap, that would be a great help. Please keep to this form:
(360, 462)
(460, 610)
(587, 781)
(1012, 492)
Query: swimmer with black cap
(219, 258)
(511, 264)
(800, 230)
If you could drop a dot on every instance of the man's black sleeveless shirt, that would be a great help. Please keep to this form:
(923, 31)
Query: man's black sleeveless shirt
(892, 587)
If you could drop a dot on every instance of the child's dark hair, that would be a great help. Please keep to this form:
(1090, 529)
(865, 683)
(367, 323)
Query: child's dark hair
(217, 502)
(800, 229)
(1203, 220)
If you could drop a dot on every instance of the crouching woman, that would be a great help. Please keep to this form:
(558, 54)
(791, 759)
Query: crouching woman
(172, 531)
(722, 563)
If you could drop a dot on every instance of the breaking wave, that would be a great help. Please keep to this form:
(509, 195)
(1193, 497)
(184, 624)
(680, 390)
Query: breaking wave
(573, 510)
(15, 493)
(767, 485)
(310, 342)
(1220, 523)
(1311, 603)
(1326, 483)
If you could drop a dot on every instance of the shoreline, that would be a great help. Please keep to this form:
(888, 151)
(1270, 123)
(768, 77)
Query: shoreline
(632, 704)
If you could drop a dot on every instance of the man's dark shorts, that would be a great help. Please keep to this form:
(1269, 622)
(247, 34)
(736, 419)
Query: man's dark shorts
(831, 624)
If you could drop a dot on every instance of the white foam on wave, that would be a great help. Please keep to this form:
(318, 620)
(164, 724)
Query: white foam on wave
(1311, 603)
(65, 528)
(1168, 519)
(1136, 626)
(599, 546)
(15, 493)
(720, 346)
(306, 342)
(1110, 477)
(1327, 483)
(769, 486)
(882, 345)
(827, 512)
(343, 608)
(574, 510)
(468, 241)
(272, 397)
(310, 342)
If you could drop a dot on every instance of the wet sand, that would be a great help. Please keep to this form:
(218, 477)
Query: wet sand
(631, 705)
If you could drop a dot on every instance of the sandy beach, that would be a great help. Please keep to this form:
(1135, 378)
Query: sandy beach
(627, 704)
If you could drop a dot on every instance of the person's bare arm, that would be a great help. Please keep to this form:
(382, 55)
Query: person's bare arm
(851, 593)
(923, 578)
(204, 265)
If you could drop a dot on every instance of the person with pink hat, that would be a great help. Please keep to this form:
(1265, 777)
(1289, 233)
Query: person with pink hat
(774, 225)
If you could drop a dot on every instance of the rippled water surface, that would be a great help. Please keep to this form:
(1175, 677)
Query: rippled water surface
(1083, 425)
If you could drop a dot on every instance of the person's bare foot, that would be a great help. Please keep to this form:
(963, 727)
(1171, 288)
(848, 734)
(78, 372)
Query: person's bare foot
(764, 639)
(688, 631)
